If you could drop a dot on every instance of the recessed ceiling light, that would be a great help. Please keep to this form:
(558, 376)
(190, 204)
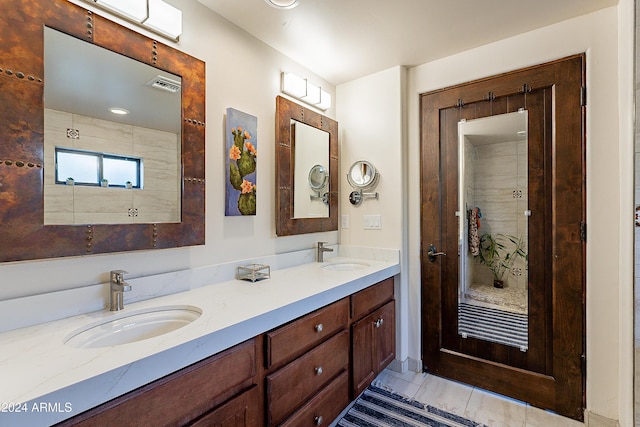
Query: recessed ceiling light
(283, 4)
(118, 110)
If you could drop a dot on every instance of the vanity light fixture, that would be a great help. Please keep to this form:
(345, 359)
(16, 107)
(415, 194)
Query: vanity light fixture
(283, 4)
(135, 10)
(306, 92)
(164, 18)
(155, 15)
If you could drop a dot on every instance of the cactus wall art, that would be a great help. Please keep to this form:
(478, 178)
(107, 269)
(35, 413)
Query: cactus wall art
(241, 161)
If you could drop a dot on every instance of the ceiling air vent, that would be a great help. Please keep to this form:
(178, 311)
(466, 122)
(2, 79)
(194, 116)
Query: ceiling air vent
(165, 83)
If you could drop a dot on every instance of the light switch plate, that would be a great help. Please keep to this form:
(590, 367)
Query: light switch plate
(344, 221)
(372, 222)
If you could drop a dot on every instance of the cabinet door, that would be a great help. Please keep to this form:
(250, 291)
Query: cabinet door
(373, 346)
(385, 336)
(241, 411)
(363, 366)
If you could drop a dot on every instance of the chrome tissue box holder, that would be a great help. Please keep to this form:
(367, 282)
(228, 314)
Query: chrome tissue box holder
(253, 272)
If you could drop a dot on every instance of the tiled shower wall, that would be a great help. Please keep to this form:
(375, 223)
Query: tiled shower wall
(500, 191)
(158, 201)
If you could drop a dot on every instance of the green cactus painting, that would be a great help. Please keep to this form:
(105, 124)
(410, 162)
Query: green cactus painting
(242, 158)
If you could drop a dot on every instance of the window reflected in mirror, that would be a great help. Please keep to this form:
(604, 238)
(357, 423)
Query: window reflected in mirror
(110, 123)
(311, 165)
(74, 167)
(493, 236)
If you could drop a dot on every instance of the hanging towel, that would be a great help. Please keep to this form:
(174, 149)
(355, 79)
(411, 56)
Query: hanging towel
(474, 237)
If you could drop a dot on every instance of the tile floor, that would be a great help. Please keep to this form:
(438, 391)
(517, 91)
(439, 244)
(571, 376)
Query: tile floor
(470, 402)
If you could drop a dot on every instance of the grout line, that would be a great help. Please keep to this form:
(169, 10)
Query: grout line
(466, 406)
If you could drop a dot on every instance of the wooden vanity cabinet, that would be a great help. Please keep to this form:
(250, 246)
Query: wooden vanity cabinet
(372, 334)
(313, 367)
(307, 368)
(217, 391)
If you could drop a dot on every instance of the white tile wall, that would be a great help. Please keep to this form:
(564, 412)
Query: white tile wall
(498, 170)
(158, 201)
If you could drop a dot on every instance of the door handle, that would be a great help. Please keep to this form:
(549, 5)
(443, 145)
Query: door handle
(433, 253)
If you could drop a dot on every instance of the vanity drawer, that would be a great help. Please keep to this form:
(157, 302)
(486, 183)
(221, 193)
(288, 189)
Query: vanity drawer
(241, 411)
(290, 341)
(367, 300)
(182, 396)
(292, 385)
(324, 407)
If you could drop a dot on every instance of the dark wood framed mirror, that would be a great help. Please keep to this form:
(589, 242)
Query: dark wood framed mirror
(288, 113)
(23, 232)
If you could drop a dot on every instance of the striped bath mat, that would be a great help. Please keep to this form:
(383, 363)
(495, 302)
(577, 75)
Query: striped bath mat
(381, 408)
(493, 325)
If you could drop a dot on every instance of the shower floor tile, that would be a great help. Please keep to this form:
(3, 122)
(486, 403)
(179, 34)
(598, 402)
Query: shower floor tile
(508, 298)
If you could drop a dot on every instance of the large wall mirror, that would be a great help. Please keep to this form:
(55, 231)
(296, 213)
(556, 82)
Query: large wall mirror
(493, 212)
(75, 178)
(306, 170)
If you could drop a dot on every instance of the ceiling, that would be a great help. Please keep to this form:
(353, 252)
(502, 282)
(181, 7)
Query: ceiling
(85, 79)
(342, 40)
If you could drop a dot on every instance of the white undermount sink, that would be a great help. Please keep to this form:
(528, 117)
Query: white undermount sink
(134, 326)
(345, 265)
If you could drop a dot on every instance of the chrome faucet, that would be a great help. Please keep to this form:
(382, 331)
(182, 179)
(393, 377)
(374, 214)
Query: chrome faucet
(321, 250)
(118, 287)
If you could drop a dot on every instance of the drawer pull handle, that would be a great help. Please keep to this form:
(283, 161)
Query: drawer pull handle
(318, 370)
(319, 327)
(379, 322)
(318, 420)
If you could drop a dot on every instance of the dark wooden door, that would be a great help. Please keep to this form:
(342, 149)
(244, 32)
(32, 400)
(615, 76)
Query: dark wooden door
(550, 374)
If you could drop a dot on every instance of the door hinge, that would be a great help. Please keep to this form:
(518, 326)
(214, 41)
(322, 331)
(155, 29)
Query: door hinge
(583, 231)
(583, 96)
(583, 363)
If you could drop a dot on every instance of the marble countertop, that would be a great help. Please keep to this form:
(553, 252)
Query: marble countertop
(39, 367)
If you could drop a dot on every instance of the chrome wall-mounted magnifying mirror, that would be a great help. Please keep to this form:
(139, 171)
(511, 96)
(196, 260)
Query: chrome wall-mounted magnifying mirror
(318, 179)
(362, 176)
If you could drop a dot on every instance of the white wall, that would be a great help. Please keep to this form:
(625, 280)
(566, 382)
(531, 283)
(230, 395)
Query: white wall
(370, 111)
(242, 73)
(608, 278)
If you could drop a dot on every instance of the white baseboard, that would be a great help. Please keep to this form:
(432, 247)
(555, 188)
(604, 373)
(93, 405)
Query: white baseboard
(595, 420)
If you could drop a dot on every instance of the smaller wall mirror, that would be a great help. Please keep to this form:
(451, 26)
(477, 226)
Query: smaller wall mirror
(362, 176)
(306, 170)
(311, 170)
